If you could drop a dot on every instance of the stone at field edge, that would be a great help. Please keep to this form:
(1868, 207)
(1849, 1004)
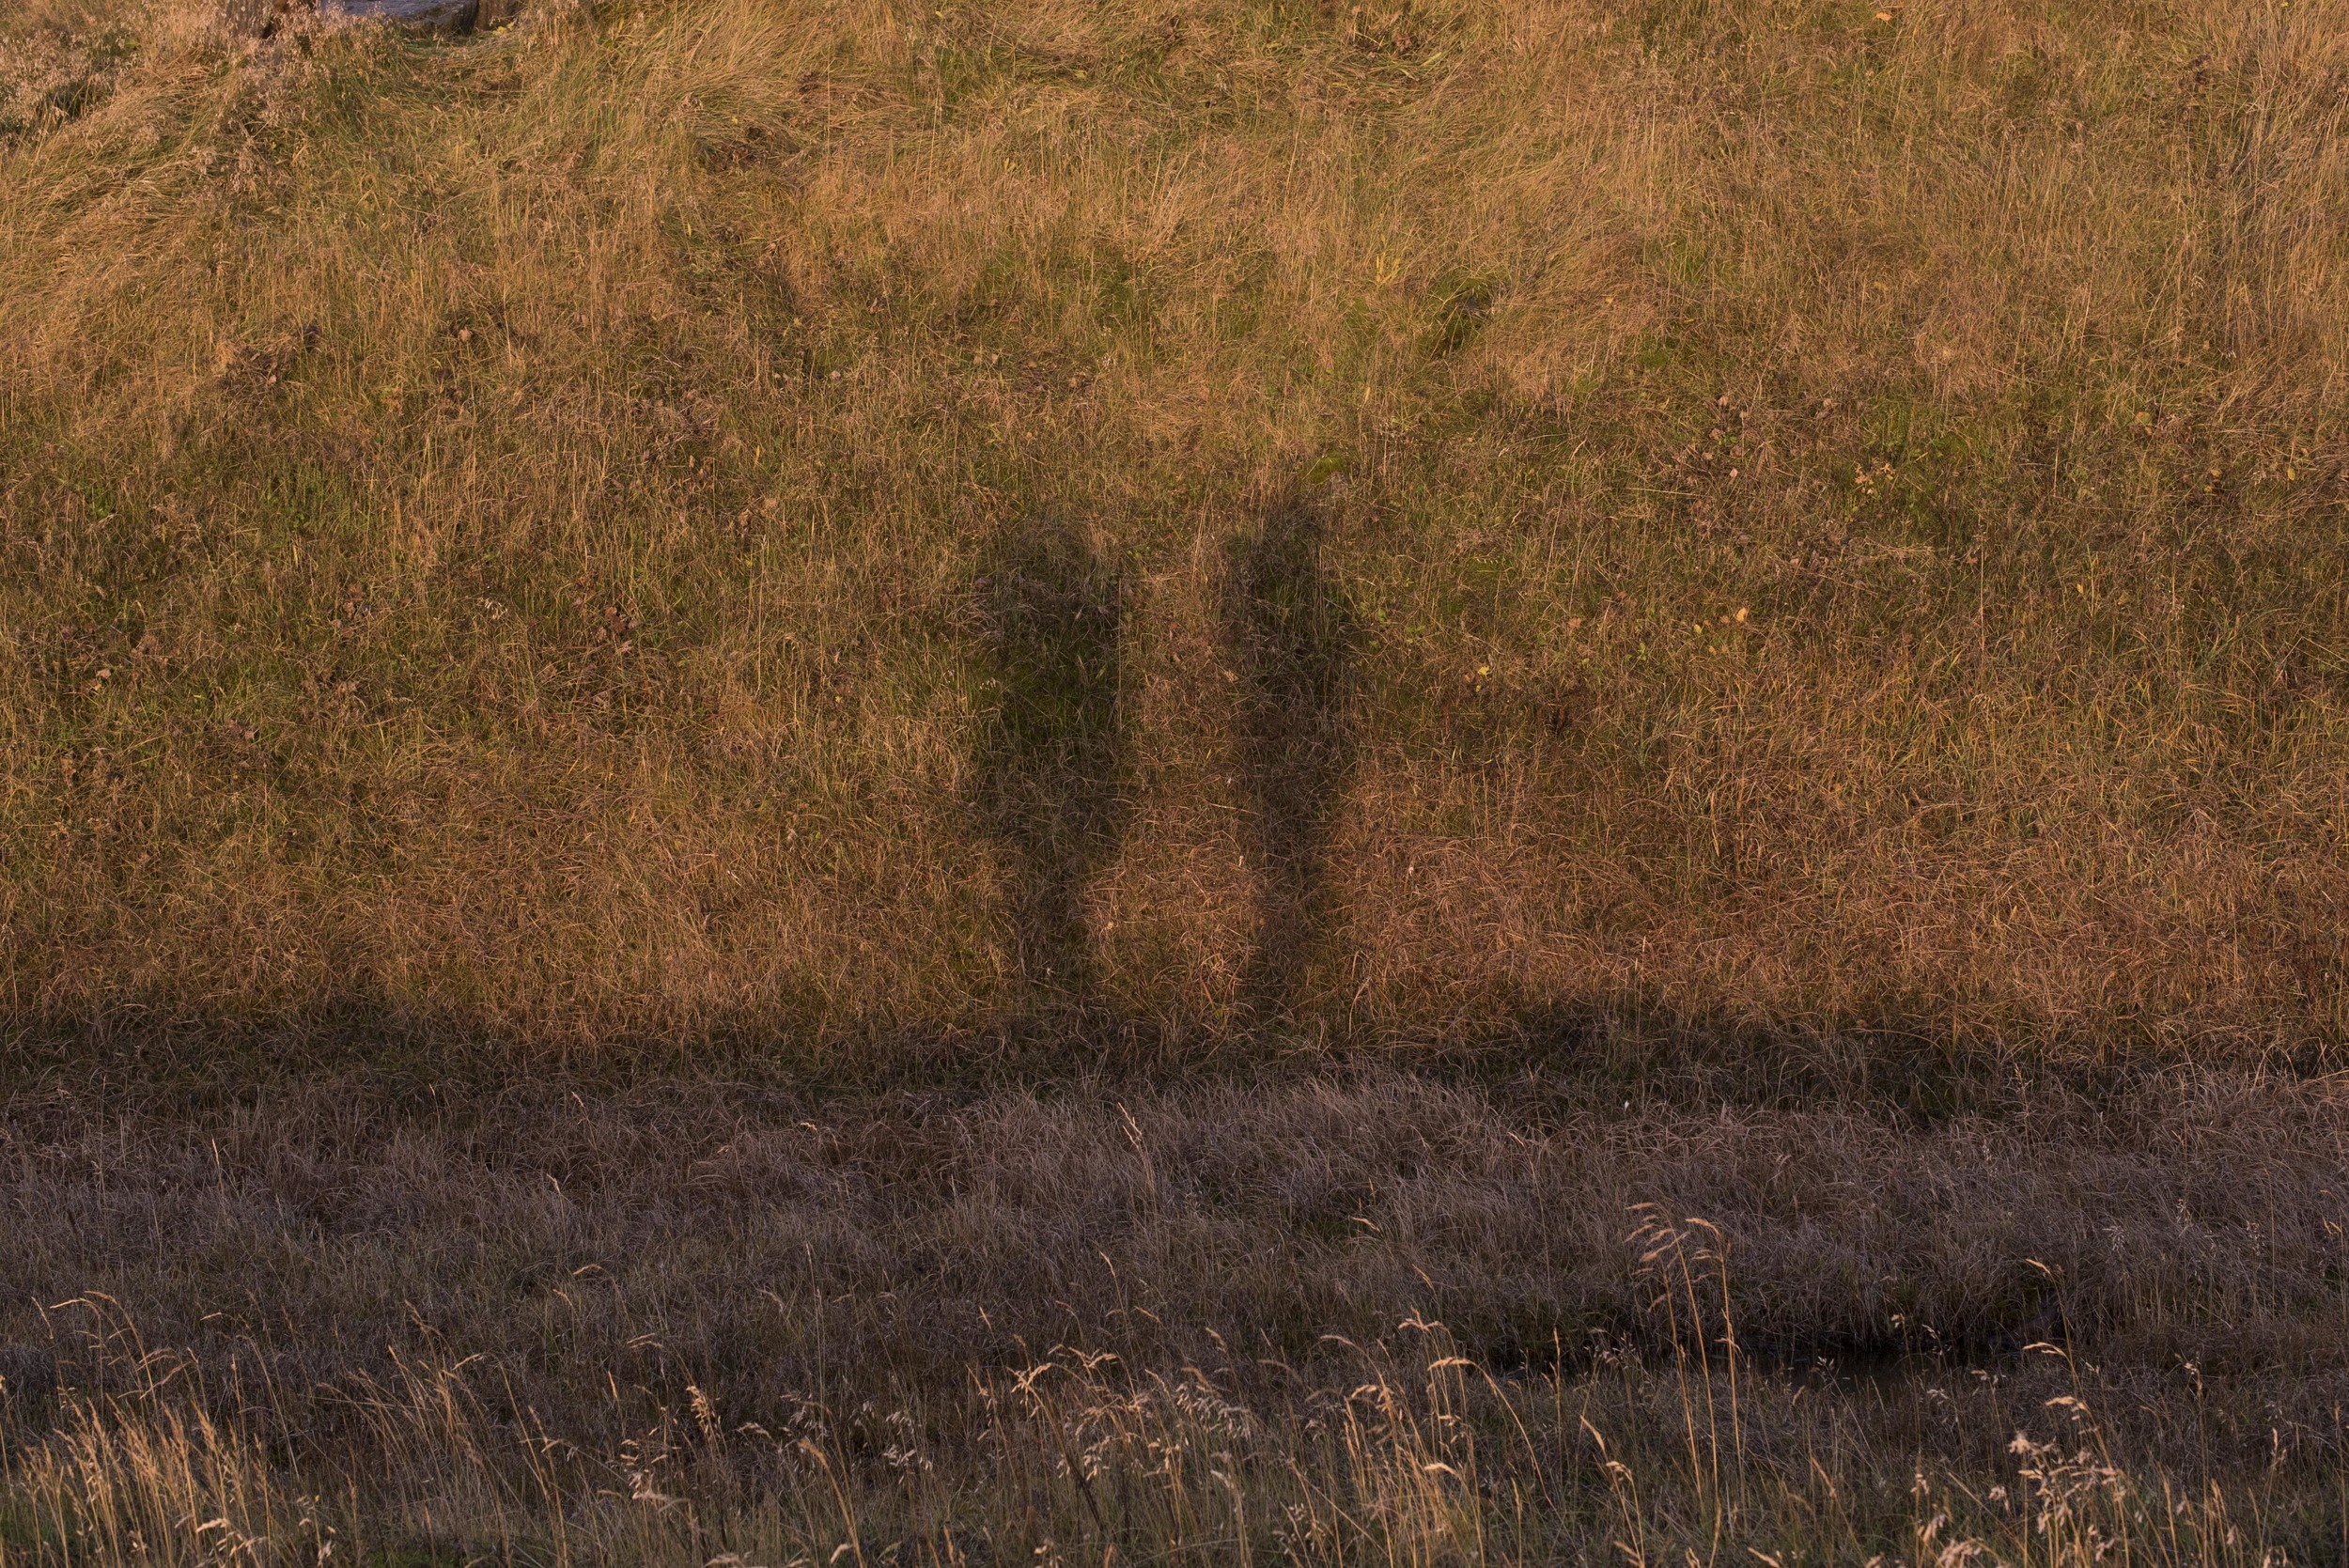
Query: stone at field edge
(438, 16)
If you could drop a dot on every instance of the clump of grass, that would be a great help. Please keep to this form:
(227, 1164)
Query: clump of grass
(1816, 519)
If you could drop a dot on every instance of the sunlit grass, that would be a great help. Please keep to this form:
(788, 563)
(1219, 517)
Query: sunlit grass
(1785, 518)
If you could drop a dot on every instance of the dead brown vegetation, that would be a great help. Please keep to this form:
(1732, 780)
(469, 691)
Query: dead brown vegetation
(739, 1299)
(799, 783)
(1763, 514)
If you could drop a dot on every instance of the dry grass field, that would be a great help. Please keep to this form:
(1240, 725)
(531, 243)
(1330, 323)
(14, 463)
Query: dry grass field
(1361, 1318)
(833, 524)
(1207, 780)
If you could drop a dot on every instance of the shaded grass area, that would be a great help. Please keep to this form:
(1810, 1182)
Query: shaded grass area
(708, 522)
(703, 1316)
(2189, 1220)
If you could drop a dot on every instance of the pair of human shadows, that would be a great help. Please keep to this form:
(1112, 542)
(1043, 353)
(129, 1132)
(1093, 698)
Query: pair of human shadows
(1052, 761)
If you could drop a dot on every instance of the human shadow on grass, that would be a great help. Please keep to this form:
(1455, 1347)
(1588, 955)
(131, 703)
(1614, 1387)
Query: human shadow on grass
(1052, 758)
(1293, 642)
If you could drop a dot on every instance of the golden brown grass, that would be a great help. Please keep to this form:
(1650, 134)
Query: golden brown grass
(864, 522)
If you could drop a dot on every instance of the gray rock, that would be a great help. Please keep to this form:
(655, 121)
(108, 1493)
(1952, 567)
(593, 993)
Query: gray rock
(434, 16)
(28, 1383)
